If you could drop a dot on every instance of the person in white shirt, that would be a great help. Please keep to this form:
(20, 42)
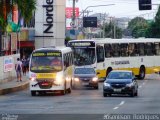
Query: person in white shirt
(18, 68)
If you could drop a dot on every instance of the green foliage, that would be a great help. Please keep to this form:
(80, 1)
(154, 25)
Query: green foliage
(25, 7)
(138, 27)
(154, 28)
(109, 31)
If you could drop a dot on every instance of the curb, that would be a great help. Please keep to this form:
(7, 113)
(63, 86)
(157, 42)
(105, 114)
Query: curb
(14, 89)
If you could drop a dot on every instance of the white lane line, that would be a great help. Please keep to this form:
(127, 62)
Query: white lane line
(115, 108)
(122, 102)
(140, 86)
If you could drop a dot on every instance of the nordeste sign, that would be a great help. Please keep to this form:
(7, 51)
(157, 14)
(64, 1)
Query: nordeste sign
(49, 17)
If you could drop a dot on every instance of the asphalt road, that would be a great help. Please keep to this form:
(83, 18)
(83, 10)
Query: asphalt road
(83, 103)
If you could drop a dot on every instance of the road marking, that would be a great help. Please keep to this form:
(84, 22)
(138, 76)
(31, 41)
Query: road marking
(140, 86)
(122, 102)
(115, 108)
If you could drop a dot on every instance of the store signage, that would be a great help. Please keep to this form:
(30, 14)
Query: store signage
(48, 25)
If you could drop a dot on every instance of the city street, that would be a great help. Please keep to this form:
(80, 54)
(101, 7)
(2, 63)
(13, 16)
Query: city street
(86, 101)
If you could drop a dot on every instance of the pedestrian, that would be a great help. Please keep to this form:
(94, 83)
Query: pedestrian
(24, 67)
(18, 68)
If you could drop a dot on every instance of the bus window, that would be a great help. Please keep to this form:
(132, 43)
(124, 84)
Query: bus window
(116, 50)
(100, 54)
(157, 48)
(124, 50)
(149, 49)
(132, 49)
(141, 47)
(108, 50)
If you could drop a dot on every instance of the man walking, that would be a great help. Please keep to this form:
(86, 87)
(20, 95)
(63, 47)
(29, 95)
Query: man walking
(18, 68)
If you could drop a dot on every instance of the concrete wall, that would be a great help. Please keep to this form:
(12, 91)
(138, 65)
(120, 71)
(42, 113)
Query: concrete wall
(7, 76)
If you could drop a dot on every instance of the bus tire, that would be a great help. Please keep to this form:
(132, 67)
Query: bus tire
(108, 71)
(96, 87)
(63, 92)
(69, 90)
(142, 73)
(33, 93)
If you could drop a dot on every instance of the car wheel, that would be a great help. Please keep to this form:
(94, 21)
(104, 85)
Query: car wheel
(33, 93)
(132, 94)
(136, 94)
(104, 95)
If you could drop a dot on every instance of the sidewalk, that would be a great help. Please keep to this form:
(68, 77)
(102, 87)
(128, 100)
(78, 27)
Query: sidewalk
(13, 86)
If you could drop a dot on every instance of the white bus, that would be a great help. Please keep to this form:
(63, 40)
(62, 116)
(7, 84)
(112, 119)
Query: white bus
(50, 69)
(139, 55)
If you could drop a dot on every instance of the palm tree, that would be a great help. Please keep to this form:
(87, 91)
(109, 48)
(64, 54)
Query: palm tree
(26, 9)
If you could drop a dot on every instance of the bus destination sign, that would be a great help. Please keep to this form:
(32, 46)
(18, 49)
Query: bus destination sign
(42, 54)
(82, 44)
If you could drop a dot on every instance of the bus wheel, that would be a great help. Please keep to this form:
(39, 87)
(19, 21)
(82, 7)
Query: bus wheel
(69, 90)
(142, 73)
(108, 71)
(33, 93)
(63, 92)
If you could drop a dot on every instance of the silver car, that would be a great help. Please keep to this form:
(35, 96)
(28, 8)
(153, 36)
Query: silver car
(85, 76)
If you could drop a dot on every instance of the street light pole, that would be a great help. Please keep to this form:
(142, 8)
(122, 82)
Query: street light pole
(94, 6)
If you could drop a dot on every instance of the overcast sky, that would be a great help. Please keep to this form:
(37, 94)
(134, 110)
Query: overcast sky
(122, 8)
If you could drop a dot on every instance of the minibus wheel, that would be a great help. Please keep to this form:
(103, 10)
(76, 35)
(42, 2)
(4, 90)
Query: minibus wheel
(33, 93)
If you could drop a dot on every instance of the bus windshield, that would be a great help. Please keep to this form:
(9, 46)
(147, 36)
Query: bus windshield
(46, 63)
(84, 56)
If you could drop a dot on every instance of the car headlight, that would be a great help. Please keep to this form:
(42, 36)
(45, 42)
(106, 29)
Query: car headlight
(76, 79)
(95, 79)
(107, 84)
(32, 78)
(130, 85)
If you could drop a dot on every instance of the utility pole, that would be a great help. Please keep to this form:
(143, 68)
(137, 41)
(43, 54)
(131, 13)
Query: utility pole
(73, 13)
(114, 23)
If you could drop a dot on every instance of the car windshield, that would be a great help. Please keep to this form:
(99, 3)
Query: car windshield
(119, 75)
(84, 56)
(84, 71)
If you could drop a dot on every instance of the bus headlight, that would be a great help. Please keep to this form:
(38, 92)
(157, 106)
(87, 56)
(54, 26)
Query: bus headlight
(32, 79)
(95, 79)
(59, 79)
(76, 79)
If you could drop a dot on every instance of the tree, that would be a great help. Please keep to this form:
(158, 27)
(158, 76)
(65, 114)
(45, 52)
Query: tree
(26, 9)
(154, 28)
(109, 31)
(138, 27)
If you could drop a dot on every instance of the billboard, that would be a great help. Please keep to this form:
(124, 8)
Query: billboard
(69, 12)
(8, 64)
(89, 21)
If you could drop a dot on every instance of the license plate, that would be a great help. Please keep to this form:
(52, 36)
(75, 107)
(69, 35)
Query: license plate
(45, 84)
(117, 90)
(85, 83)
